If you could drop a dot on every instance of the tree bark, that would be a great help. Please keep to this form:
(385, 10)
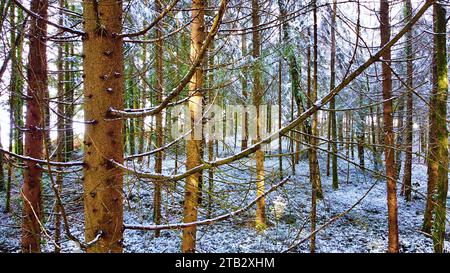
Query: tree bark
(159, 119)
(440, 47)
(260, 221)
(314, 162)
(60, 134)
(406, 185)
(103, 89)
(193, 145)
(333, 122)
(69, 91)
(388, 129)
(432, 160)
(35, 121)
(244, 141)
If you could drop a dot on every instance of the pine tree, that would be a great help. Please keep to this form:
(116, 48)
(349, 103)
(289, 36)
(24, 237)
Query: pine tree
(260, 221)
(159, 119)
(193, 145)
(385, 30)
(34, 134)
(406, 185)
(103, 89)
(440, 107)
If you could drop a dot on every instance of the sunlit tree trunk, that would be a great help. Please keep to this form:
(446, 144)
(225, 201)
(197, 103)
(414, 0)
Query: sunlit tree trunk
(193, 145)
(210, 143)
(244, 141)
(314, 162)
(103, 89)
(260, 221)
(280, 112)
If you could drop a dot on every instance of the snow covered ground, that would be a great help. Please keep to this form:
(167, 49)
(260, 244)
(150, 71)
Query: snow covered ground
(364, 229)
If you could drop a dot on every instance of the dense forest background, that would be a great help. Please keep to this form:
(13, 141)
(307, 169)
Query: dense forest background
(223, 126)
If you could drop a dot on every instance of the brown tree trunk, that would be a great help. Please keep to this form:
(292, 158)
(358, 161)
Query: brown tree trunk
(37, 89)
(60, 134)
(388, 128)
(69, 98)
(333, 122)
(159, 120)
(314, 162)
(440, 108)
(244, 141)
(374, 139)
(260, 221)
(432, 162)
(103, 89)
(210, 143)
(193, 145)
(399, 134)
(406, 185)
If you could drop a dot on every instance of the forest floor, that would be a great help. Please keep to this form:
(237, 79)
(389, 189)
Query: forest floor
(363, 229)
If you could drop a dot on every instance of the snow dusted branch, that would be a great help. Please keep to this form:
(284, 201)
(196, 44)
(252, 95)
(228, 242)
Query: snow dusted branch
(152, 24)
(168, 145)
(138, 113)
(210, 220)
(42, 161)
(37, 16)
(186, 79)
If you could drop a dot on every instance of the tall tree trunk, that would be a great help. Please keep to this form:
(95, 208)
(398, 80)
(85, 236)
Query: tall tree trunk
(210, 143)
(69, 91)
(2, 174)
(143, 98)
(280, 112)
(400, 132)
(12, 104)
(385, 30)
(294, 72)
(360, 131)
(312, 93)
(103, 89)
(159, 119)
(35, 121)
(374, 138)
(244, 141)
(260, 221)
(333, 122)
(314, 162)
(432, 160)
(16, 100)
(130, 102)
(406, 185)
(193, 145)
(440, 47)
(60, 132)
